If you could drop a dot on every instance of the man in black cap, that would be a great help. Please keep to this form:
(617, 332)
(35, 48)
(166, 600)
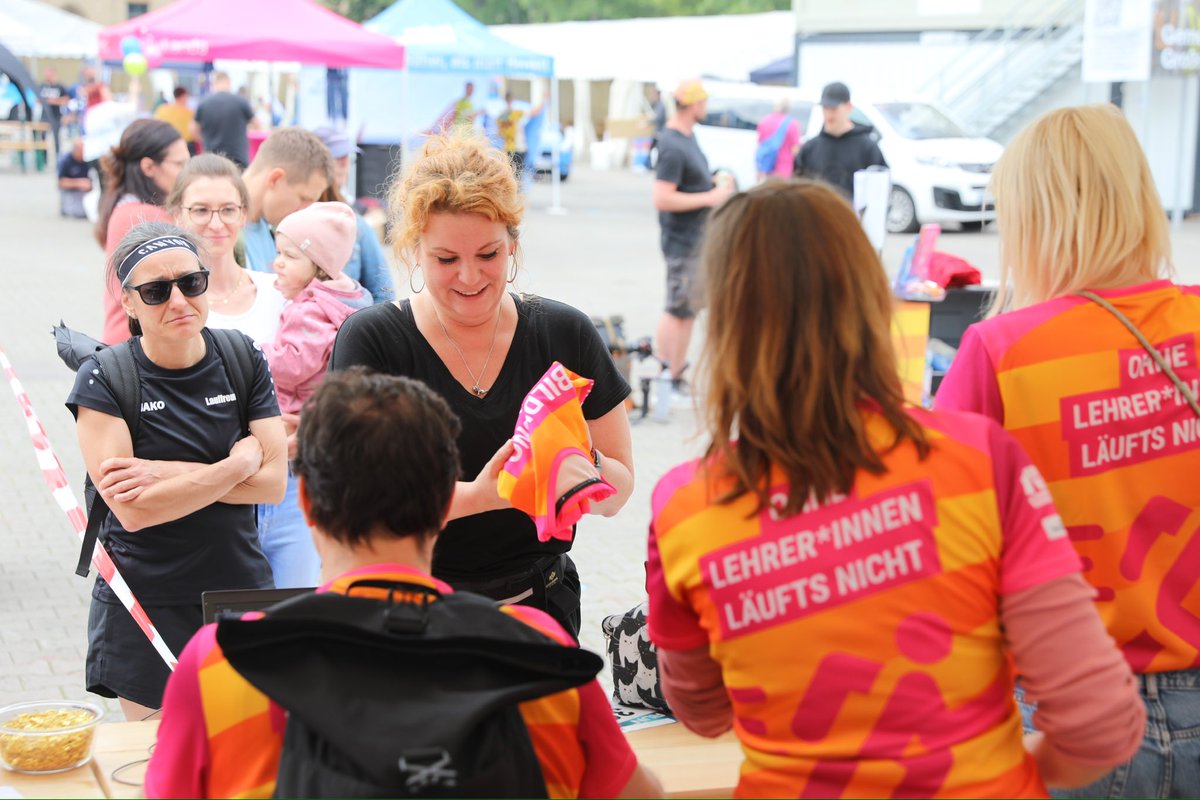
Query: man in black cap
(842, 148)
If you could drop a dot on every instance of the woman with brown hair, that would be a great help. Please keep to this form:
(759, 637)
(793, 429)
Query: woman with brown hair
(139, 174)
(843, 579)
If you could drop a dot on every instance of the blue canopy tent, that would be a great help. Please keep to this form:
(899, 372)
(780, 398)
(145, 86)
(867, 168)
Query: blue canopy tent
(445, 47)
(778, 72)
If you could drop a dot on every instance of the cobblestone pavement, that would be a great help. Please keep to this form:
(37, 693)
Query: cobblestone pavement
(601, 256)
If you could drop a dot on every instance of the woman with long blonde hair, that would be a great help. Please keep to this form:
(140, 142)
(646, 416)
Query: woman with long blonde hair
(844, 579)
(1090, 362)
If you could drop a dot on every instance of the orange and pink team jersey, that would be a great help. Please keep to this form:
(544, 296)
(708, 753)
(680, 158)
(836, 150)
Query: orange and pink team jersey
(1118, 445)
(552, 456)
(860, 640)
(221, 737)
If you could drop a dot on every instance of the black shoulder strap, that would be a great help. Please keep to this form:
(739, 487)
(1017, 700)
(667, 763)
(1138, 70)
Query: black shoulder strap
(238, 358)
(121, 372)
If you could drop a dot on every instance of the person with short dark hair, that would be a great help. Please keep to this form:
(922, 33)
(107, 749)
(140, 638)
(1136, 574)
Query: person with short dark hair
(843, 146)
(54, 98)
(180, 116)
(223, 118)
(181, 488)
(378, 466)
(74, 181)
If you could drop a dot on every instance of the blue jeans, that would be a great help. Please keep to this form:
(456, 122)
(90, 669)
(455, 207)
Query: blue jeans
(1168, 763)
(285, 538)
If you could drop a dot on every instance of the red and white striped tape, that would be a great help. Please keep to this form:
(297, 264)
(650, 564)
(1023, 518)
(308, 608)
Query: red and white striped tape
(56, 479)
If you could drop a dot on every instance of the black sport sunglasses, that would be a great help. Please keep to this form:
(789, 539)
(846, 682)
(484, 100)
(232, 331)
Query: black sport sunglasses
(154, 293)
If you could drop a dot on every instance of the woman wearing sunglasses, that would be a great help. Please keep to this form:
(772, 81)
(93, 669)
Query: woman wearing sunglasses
(848, 581)
(209, 201)
(182, 493)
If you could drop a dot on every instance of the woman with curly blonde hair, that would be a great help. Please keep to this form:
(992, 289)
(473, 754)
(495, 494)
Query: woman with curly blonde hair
(456, 217)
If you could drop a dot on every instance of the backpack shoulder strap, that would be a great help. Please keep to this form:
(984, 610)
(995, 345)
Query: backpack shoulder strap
(238, 358)
(121, 372)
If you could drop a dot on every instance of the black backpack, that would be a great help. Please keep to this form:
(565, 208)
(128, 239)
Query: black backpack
(412, 696)
(120, 370)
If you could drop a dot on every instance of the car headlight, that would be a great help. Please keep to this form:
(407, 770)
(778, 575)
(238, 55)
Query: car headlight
(937, 161)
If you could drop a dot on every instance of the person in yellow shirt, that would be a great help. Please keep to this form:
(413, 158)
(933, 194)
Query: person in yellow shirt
(180, 116)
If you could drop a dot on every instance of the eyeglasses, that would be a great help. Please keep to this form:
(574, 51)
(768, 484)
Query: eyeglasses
(155, 293)
(202, 215)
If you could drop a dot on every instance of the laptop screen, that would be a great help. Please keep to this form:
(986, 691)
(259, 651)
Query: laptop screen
(235, 602)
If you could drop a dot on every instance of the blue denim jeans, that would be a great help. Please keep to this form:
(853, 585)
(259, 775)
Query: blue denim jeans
(285, 538)
(1168, 763)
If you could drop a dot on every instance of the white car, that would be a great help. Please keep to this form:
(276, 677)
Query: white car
(939, 173)
(728, 134)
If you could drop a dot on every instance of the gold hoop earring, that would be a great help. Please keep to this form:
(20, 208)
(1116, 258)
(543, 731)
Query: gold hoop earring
(415, 290)
(512, 273)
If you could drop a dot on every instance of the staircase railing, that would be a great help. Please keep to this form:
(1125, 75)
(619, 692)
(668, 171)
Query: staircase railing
(987, 62)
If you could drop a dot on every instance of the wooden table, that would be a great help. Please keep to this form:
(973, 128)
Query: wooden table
(26, 137)
(688, 765)
(119, 744)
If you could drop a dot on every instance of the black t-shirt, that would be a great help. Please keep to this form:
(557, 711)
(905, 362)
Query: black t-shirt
(222, 118)
(51, 91)
(187, 415)
(385, 338)
(681, 162)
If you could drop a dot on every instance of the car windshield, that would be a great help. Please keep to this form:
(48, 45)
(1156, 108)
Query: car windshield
(919, 121)
(746, 113)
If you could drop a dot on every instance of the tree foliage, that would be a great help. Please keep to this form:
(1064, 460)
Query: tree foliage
(500, 12)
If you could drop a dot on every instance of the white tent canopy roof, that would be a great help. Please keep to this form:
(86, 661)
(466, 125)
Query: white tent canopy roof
(35, 30)
(664, 49)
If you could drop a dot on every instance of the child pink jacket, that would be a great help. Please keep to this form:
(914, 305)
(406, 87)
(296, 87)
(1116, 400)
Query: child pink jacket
(307, 328)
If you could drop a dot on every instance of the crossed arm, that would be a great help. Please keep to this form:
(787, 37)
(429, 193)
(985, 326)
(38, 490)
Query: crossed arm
(142, 492)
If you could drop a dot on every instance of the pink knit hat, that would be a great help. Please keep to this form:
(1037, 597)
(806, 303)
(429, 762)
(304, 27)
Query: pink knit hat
(324, 232)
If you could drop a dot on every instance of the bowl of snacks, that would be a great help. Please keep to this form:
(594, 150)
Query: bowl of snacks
(53, 736)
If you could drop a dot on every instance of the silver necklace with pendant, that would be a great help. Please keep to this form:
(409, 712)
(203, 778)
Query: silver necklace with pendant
(476, 389)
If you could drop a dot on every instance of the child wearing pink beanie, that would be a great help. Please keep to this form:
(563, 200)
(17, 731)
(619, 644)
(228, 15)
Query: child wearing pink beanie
(313, 247)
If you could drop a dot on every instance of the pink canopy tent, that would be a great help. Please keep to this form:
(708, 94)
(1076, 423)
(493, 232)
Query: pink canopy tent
(279, 30)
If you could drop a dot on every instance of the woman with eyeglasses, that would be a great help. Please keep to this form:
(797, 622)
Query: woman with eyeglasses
(139, 173)
(182, 490)
(209, 201)
(847, 581)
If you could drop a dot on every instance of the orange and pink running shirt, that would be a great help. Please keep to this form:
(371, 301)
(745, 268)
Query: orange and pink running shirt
(1117, 443)
(860, 640)
(221, 737)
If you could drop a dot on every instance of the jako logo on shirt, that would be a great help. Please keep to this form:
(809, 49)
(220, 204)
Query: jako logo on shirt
(153, 405)
(219, 399)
